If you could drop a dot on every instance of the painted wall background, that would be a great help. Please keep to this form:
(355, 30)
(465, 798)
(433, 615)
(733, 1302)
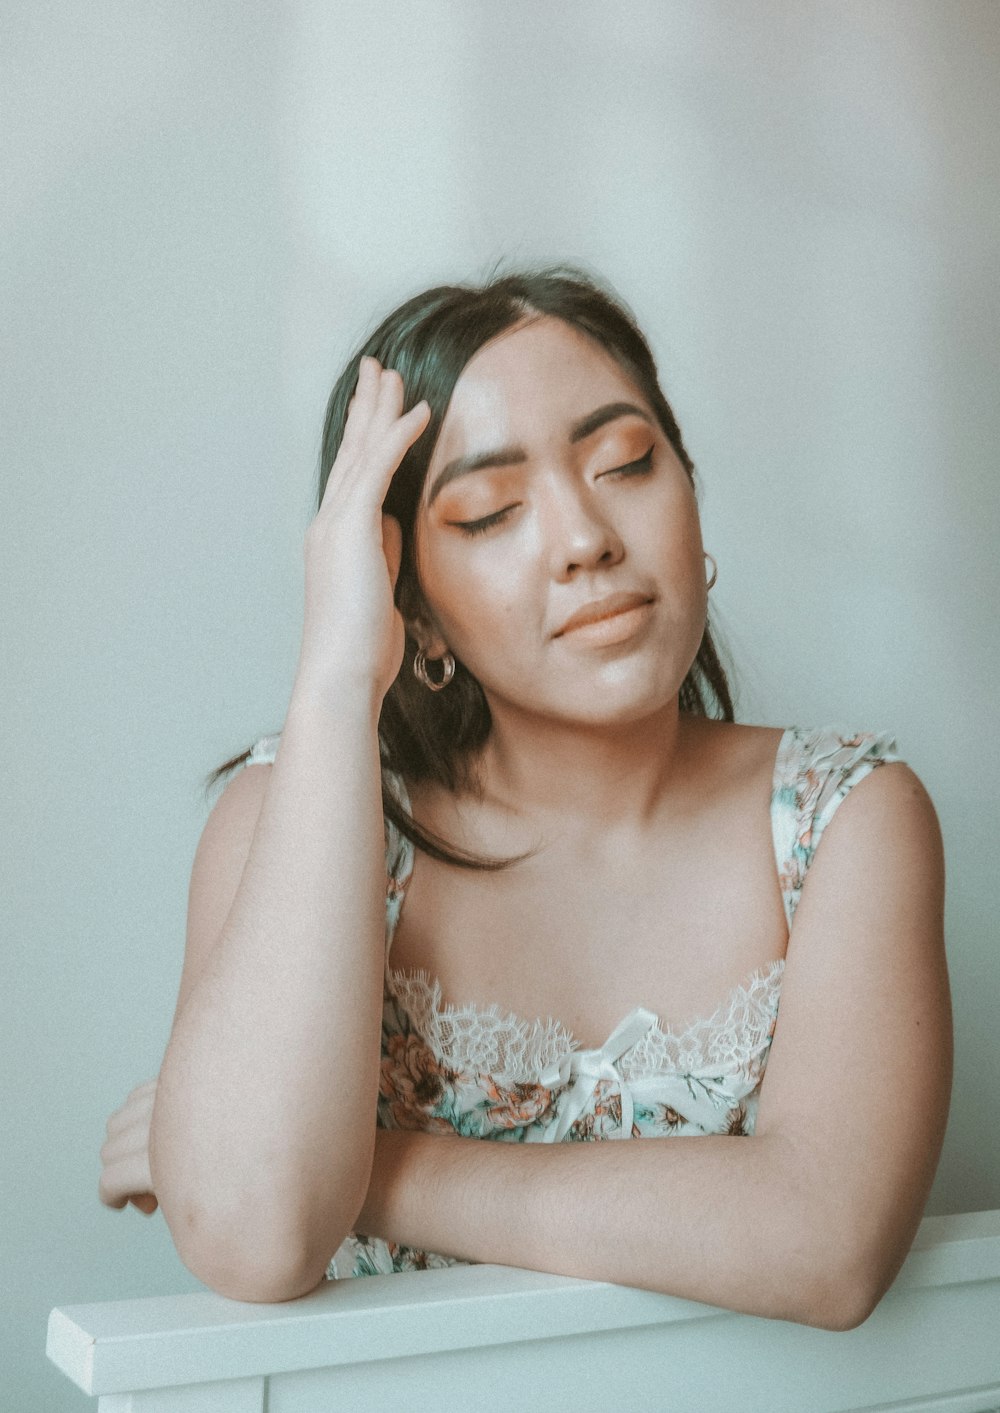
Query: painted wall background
(205, 207)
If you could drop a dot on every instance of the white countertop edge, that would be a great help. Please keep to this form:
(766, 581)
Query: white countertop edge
(165, 1340)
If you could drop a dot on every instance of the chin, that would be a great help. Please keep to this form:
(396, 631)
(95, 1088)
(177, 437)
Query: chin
(614, 692)
(600, 702)
(618, 714)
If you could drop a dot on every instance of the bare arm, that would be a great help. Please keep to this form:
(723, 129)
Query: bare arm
(262, 1129)
(811, 1218)
(263, 1124)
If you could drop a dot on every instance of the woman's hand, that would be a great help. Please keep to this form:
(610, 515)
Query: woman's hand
(353, 631)
(125, 1155)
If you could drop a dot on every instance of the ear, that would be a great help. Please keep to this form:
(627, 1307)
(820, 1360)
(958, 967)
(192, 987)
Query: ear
(429, 639)
(392, 546)
(421, 626)
(420, 622)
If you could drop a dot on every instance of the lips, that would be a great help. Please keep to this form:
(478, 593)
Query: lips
(598, 609)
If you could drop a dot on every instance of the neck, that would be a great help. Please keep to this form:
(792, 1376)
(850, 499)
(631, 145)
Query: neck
(598, 777)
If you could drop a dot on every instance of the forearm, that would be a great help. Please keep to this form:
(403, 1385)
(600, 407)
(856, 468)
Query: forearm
(262, 1129)
(731, 1221)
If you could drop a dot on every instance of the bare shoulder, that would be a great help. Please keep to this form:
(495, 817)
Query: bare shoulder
(233, 818)
(867, 945)
(880, 856)
(890, 817)
(894, 787)
(218, 866)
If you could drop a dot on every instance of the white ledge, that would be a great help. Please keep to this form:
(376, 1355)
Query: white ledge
(172, 1341)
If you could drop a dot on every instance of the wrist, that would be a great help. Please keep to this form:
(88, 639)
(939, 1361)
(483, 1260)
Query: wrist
(343, 695)
(378, 1216)
(404, 1198)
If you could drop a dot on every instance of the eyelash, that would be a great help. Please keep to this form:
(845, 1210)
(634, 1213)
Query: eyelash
(642, 467)
(479, 527)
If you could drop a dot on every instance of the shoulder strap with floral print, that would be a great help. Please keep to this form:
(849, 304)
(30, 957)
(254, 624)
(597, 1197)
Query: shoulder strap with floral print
(814, 771)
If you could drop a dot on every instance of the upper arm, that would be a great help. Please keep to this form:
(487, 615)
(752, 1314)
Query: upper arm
(218, 866)
(858, 1078)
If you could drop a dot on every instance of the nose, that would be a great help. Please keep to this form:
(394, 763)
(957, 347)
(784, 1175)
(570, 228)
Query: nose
(579, 532)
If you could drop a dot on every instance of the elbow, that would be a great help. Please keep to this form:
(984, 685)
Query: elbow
(253, 1275)
(859, 1291)
(258, 1282)
(247, 1266)
(255, 1245)
(841, 1310)
(837, 1294)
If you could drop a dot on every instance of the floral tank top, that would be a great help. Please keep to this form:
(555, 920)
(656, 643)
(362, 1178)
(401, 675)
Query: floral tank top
(481, 1073)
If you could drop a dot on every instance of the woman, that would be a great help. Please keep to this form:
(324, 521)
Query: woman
(508, 708)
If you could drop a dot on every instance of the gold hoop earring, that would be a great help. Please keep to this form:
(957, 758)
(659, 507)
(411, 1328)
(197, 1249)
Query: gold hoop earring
(715, 570)
(422, 675)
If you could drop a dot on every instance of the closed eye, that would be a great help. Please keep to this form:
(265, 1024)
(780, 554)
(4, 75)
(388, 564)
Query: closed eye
(479, 527)
(642, 467)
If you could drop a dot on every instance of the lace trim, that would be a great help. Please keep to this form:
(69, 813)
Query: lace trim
(490, 1041)
(479, 1040)
(730, 1039)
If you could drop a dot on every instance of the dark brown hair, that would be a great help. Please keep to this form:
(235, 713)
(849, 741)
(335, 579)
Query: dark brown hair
(429, 340)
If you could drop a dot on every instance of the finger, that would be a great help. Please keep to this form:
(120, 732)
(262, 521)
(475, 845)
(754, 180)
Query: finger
(117, 1190)
(127, 1137)
(142, 1093)
(138, 1099)
(386, 458)
(406, 430)
(134, 1112)
(418, 416)
(375, 468)
(356, 437)
(124, 1175)
(389, 404)
(110, 1194)
(128, 1142)
(372, 459)
(369, 374)
(145, 1201)
(360, 408)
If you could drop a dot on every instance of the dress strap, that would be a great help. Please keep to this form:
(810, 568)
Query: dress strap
(813, 772)
(263, 752)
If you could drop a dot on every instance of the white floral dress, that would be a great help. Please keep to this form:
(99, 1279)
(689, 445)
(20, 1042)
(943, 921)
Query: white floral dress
(482, 1073)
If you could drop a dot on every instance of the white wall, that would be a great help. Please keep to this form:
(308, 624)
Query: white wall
(205, 206)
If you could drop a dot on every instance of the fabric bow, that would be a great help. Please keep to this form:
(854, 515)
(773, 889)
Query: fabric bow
(584, 1069)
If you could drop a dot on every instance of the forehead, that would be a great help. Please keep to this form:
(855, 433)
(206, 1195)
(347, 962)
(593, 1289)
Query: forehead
(529, 385)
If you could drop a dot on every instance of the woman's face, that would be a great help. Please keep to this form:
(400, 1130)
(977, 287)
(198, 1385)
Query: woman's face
(557, 539)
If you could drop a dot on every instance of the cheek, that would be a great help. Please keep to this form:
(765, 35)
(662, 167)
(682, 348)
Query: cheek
(472, 594)
(682, 534)
(479, 614)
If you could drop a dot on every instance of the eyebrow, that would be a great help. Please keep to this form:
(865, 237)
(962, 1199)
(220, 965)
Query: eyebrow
(516, 455)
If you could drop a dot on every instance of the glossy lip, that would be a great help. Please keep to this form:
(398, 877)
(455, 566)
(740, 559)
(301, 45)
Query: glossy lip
(598, 609)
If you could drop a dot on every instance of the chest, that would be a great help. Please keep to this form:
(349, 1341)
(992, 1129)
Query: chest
(585, 934)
